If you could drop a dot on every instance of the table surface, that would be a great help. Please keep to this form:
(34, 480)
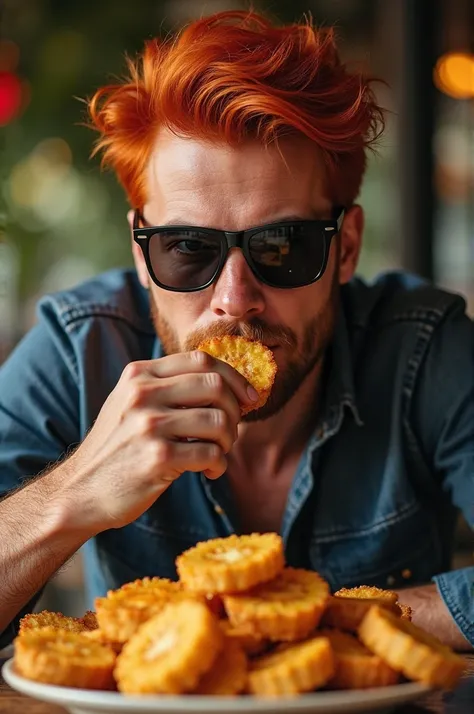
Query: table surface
(460, 701)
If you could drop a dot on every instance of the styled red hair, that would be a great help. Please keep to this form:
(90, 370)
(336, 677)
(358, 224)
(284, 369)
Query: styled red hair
(233, 76)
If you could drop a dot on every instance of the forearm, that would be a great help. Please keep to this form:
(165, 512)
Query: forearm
(430, 613)
(35, 540)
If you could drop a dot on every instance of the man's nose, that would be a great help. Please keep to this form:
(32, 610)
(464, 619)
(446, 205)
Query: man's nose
(237, 293)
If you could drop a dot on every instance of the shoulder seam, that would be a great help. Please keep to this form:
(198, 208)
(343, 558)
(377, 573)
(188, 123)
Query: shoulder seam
(71, 314)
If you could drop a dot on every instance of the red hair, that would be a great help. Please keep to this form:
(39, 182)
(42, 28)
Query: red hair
(234, 76)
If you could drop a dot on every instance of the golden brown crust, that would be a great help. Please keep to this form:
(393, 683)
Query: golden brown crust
(122, 612)
(407, 612)
(249, 357)
(64, 658)
(292, 669)
(90, 620)
(228, 675)
(287, 608)
(410, 650)
(56, 620)
(232, 564)
(171, 652)
(367, 592)
(345, 613)
(356, 666)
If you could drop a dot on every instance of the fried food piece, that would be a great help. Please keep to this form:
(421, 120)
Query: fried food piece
(228, 675)
(232, 564)
(245, 637)
(287, 608)
(367, 592)
(346, 613)
(123, 610)
(370, 591)
(171, 652)
(356, 666)
(64, 658)
(410, 650)
(55, 620)
(292, 669)
(250, 358)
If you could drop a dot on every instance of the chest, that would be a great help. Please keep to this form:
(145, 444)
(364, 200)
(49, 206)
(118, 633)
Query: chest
(260, 502)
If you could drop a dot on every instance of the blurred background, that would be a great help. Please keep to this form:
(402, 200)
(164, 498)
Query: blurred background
(62, 221)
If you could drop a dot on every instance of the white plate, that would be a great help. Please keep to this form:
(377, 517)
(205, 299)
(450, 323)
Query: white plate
(83, 701)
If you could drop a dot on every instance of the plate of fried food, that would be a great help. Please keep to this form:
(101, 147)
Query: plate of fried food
(240, 631)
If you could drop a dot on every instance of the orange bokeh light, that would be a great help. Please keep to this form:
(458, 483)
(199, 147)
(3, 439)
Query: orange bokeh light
(454, 75)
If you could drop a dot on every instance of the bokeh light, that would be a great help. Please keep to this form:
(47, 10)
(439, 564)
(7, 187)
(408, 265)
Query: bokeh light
(11, 98)
(454, 75)
(44, 181)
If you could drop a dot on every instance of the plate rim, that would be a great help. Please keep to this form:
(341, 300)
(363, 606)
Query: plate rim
(198, 704)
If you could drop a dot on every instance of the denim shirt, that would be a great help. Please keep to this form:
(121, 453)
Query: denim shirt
(375, 495)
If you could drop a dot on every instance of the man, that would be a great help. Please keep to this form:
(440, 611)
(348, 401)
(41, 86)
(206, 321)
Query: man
(241, 147)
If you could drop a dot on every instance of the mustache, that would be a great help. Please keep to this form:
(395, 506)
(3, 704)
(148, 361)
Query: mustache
(256, 330)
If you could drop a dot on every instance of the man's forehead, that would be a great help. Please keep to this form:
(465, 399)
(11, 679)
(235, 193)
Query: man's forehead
(190, 179)
(251, 159)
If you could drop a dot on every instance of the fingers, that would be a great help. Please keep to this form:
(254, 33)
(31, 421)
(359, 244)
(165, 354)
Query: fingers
(207, 389)
(213, 425)
(194, 456)
(199, 362)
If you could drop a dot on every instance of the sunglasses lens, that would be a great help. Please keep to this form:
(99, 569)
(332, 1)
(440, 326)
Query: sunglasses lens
(288, 256)
(185, 259)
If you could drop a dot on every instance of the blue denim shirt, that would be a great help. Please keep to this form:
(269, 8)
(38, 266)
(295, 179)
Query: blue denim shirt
(374, 498)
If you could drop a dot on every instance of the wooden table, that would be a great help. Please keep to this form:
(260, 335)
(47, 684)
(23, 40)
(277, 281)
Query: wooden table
(461, 701)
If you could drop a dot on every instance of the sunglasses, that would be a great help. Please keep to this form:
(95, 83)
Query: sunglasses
(290, 254)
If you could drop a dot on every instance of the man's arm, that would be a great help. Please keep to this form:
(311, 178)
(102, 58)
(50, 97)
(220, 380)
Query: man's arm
(35, 540)
(443, 420)
(430, 613)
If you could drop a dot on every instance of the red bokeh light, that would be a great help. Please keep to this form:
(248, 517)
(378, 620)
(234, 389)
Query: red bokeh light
(10, 97)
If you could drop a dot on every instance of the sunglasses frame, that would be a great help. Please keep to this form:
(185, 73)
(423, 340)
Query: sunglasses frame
(234, 239)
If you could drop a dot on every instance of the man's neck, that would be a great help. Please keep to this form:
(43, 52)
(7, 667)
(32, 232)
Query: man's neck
(268, 445)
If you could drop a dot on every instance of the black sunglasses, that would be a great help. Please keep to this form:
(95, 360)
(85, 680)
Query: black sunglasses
(289, 254)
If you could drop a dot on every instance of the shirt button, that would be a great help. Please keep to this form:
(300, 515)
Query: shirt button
(219, 510)
(390, 580)
(406, 573)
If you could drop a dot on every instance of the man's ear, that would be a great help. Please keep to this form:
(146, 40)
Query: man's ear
(138, 257)
(350, 238)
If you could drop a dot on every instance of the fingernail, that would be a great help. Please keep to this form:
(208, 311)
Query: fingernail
(252, 393)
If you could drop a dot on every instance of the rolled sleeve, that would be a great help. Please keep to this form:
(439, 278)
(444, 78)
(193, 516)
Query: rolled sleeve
(456, 589)
(38, 416)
